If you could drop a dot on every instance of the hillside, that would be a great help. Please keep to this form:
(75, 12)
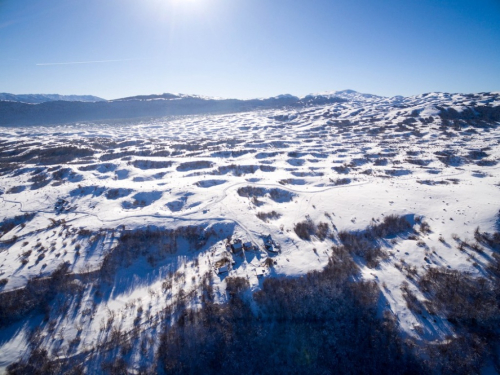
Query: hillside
(362, 230)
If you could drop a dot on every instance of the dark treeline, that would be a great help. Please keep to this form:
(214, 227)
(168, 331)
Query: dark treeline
(323, 323)
(329, 322)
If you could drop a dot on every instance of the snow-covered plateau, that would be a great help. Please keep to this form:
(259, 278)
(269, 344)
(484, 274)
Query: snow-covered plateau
(109, 231)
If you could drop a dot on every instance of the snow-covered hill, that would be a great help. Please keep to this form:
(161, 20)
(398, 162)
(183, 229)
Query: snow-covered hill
(107, 229)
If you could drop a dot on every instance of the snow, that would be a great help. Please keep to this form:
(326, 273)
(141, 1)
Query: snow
(204, 161)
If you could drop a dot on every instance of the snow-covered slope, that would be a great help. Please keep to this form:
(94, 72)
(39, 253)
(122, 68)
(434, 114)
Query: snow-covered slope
(350, 95)
(139, 215)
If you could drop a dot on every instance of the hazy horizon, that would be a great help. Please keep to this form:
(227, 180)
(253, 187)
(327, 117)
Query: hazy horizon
(241, 98)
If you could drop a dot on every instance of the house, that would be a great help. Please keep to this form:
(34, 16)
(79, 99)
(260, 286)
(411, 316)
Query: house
(223, 269)
(237, 247)
(260, 271)
(271, 248)
(248, 246)
(270, 244)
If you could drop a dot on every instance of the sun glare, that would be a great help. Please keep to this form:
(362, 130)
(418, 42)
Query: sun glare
(186, 1)
(190, 4)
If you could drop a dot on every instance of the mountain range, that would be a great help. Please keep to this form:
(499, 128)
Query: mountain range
(43, 98)
(54, 109)
(26, 110)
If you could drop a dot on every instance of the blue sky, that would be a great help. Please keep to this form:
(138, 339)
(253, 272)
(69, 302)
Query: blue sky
(248, 48)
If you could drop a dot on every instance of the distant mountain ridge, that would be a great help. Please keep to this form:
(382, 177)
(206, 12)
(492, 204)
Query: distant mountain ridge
(143, 106)
(328, 95)
(485, 106)
(43, 98)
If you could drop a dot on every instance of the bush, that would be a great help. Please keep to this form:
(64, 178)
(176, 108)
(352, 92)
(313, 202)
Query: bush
(322, 231)
(193, 165)
(412, 301)
(341, 181)
(151, 164)
(251, 191)
(492, 240)
(36, 295)
(391, 226)
(308, 228)
(117, 367)
(264, 216)
(279, 195)
(343, 169)
(8, 224)
(238, 170)
(460, 297)
(269, 262)
(462, 355)
(236, 285)
(38, 363)
(471, 305)
(425, 227)
(364, 243)
(305, 229)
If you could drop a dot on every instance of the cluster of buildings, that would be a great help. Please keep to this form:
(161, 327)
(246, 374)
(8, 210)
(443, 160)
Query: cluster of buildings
(235, 246)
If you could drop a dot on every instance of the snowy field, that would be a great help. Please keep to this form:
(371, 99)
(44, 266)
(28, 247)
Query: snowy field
(144, 214)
